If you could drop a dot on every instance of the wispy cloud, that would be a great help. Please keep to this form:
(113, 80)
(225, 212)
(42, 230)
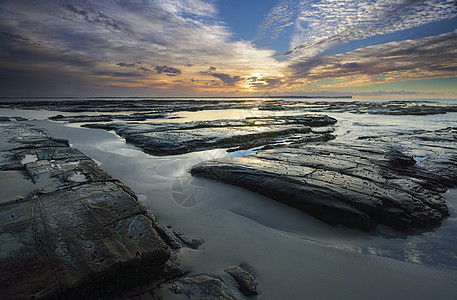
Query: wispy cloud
(429, 57)
(227, 79)
(325, 23)
(89, 38)
(169, 71)
(264, 83)
(92, 15)
(281, 17)
(91, 45)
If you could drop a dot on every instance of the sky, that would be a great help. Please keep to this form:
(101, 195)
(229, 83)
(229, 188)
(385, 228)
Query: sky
(361, 48)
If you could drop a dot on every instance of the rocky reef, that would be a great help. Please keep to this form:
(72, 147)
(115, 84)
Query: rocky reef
(178, 138)
(67, 228)
(394, 180)
(140, 109)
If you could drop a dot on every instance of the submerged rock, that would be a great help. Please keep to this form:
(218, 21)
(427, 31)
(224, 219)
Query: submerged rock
(67, 229)
(179, 138)
(372, 180)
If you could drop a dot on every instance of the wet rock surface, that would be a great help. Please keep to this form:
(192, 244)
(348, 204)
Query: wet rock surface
(193, 243)
(196, 287)
(140, 109)
(178, 138)
(245, 281)
(382, 108)
(67, 228)
(393, 180)
(108, 118)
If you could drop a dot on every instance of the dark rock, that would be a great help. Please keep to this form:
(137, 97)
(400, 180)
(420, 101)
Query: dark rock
(12, 119)
(192, 243)
(168, 238)
(398, 160)
(108, 118)
(246, 282)
(355, 184)
(140, 108)
(198, 287)
(67, 229)
(76, 119)
(179, 138)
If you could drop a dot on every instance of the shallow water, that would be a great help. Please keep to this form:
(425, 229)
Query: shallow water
(293, 255)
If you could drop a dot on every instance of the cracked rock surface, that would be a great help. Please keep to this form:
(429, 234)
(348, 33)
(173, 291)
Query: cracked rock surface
(67, 228)
(394, 180)
(178, 138)
(245, 281)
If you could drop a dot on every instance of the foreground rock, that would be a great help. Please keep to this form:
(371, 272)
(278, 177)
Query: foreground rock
(179, 138)
(67, 229)
(393, 180)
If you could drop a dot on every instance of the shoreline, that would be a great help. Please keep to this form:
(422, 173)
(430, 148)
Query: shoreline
(231, 210)
(169, 214)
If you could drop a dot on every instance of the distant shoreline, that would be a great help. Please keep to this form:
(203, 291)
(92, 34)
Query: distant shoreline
(174, 97)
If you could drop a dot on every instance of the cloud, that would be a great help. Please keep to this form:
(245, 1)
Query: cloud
(124, 74)
(210, 71)
(227, 79)
(94, 16)
(323, 24)
(126, 65)
(264, 83)
(137, 65)
(144, 69)
(429, 57)
(88, 38)
(278, 19)
(169, 71)
(14, 37)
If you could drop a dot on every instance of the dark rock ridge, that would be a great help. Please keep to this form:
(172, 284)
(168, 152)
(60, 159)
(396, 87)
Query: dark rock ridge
(152, 108)
(179, 138)
(197, 287)
(245, 281)
(67, 229)
(382, 108)
(393, 180)
(109, 117)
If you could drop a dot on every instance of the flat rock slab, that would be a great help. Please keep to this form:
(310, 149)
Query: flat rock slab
(68, 229)
(178, 138)
(394, 180)
(398, 107)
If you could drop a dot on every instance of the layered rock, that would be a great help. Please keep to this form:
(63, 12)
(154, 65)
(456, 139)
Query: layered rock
(67, 228)
(179, 138)
(245, 281)
(393, 180)
(137, 109)
(192, 287)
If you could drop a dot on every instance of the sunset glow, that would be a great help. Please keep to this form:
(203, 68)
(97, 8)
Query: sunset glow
(363, 48)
